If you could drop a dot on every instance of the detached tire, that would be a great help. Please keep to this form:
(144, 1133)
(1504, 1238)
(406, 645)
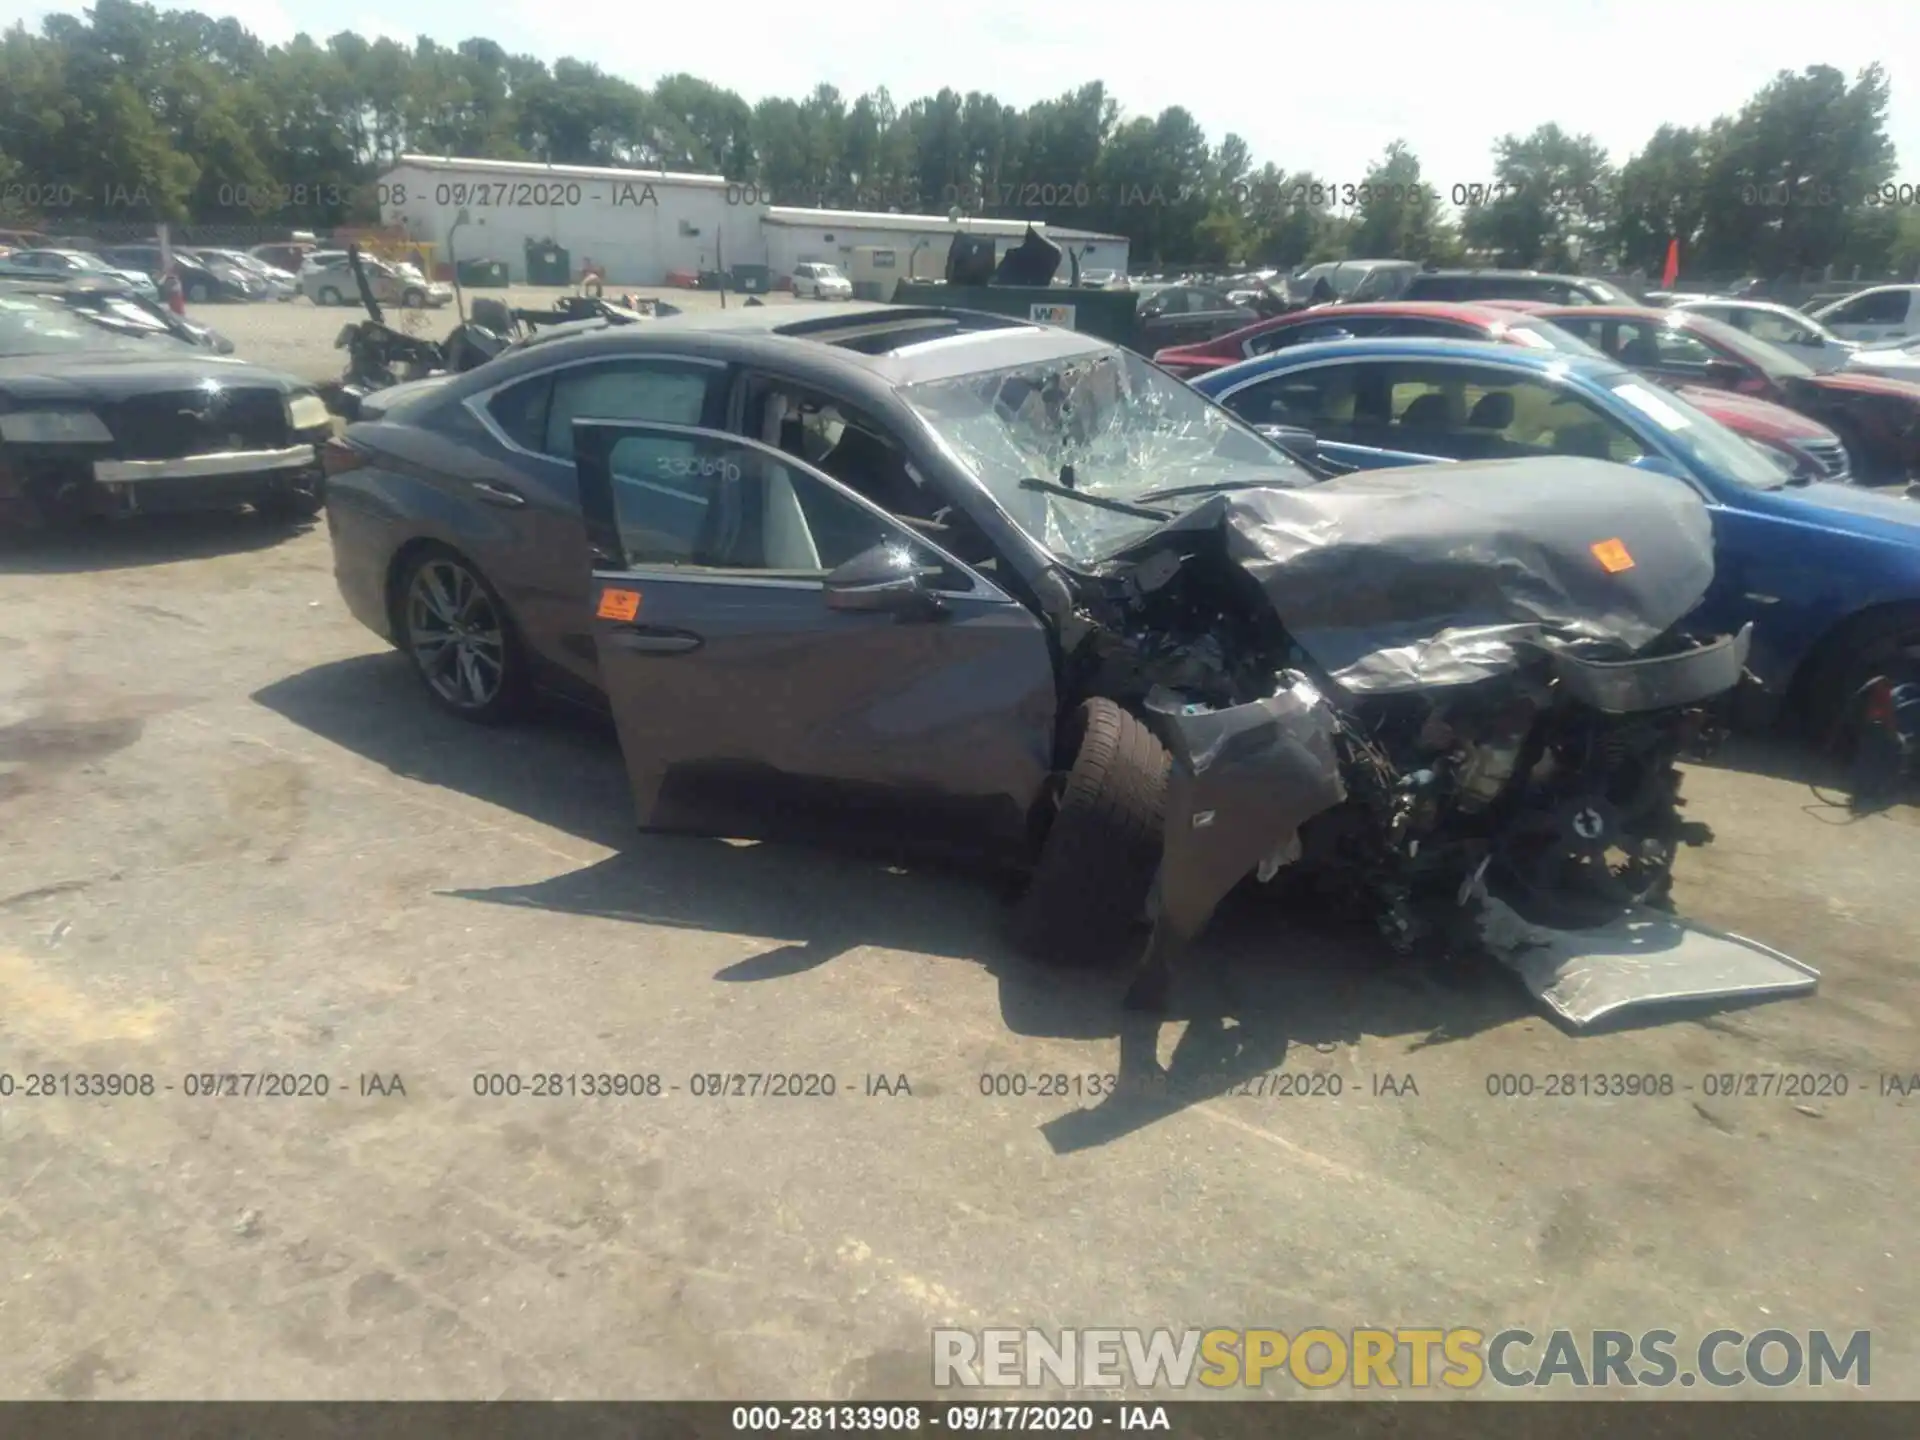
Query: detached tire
(1088, 898)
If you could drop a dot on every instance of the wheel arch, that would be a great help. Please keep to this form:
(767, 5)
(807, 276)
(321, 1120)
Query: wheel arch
(1820, 667)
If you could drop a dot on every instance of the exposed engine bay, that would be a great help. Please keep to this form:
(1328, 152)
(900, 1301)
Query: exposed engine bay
(1484, 701)
(1518, 781)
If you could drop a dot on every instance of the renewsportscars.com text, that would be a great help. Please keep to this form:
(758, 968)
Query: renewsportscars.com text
(1459, 1358)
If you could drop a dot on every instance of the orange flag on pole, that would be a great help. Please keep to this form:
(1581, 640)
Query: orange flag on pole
(1672, 272)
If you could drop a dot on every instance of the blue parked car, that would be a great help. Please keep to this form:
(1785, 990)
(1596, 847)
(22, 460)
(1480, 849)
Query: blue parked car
(1828, 574)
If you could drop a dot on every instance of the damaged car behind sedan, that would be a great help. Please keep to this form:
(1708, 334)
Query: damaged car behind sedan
(957, 583)
(106, 410)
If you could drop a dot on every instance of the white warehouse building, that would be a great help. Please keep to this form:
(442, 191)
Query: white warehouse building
(645, 227)
(638, 225)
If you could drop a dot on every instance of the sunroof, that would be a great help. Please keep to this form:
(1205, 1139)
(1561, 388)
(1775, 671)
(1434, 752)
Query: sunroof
(880, 332)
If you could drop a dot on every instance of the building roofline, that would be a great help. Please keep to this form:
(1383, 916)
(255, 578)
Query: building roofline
(793, 215)
(574, 172)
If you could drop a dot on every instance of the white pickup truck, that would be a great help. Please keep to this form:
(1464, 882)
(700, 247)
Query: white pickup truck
(1886, 312)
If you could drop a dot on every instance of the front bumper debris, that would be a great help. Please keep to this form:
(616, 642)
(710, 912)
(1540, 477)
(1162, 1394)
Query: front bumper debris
(1643, 961)
(196, 467)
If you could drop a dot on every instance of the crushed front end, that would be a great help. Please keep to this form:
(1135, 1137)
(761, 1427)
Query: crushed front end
(1451, 698)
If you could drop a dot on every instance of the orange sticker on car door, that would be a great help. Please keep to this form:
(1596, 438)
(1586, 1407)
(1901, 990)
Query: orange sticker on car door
(1613, 556)
(619, 604)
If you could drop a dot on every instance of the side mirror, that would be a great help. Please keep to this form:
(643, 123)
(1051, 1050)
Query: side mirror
(1725, 373)
(885, 578)
(1298, 442)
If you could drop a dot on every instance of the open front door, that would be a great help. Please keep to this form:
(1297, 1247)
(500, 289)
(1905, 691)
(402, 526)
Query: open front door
(783, 657)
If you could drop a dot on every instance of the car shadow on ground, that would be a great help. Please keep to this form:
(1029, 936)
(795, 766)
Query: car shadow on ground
(1265, 988)
(141, 540)
(1824, 777)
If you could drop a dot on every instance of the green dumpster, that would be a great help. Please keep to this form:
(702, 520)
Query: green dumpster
(548, 264)
(752, 279)
(1107, 314)
(481, 274)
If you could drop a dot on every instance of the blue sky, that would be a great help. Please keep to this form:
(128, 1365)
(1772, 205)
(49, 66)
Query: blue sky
(1319, 88)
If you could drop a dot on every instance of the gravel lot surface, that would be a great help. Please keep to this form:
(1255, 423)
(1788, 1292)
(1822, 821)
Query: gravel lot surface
(234, 838)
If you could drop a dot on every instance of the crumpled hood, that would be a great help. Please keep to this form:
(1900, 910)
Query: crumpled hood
(1433, 575)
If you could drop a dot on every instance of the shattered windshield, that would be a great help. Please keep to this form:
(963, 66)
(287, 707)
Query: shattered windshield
(1107, 426)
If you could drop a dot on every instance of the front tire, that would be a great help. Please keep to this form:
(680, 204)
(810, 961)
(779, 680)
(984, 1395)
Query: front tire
(413, 300)
(1087, 903)
(329, 296)
(456, 631)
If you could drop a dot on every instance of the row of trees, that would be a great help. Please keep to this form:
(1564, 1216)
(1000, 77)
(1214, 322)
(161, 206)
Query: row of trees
(133, 113)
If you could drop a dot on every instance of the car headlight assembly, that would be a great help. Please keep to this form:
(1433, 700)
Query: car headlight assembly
(54, 427)
(307, 412)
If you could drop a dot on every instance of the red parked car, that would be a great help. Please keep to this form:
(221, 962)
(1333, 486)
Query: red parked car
(1807, 447)
(1876, 416)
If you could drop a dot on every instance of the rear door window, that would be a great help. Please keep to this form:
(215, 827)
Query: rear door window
(1777, 329)
(1886, 307)
(667, 391)
(1440, 408)
(1321, 400)
(1413, 326)
(1437, 287)
(1287, 336)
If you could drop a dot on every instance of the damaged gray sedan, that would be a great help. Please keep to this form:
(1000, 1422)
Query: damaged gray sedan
(954, 583)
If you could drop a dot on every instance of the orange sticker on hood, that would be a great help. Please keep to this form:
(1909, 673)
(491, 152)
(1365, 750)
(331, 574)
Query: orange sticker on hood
(1613, 556)
(621, 604)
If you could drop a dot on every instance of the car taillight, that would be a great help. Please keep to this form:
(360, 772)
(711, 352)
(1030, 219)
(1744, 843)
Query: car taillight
(337, 457)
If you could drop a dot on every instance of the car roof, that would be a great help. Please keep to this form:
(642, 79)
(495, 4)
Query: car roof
(1467, 312)
(1476, 312)
(1670, 314)
(1701, 302)
(1508, 274)
(875, 345)
(1517, 357)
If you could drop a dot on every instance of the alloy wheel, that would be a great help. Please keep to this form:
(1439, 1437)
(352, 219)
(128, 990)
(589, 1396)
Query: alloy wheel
(456, 635)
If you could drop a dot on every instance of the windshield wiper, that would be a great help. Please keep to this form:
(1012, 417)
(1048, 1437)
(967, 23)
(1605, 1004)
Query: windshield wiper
(1182, 490)
(1119, 507)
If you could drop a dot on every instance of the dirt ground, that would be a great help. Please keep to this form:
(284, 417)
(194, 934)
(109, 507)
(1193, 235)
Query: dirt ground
(234, 838)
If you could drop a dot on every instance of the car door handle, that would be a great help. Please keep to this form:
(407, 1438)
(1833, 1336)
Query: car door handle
(499, 494)
(643, 641)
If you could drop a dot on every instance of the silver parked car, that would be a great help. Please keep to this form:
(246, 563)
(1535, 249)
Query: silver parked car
(1806, 339)
(403, 285)
(40, 264)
